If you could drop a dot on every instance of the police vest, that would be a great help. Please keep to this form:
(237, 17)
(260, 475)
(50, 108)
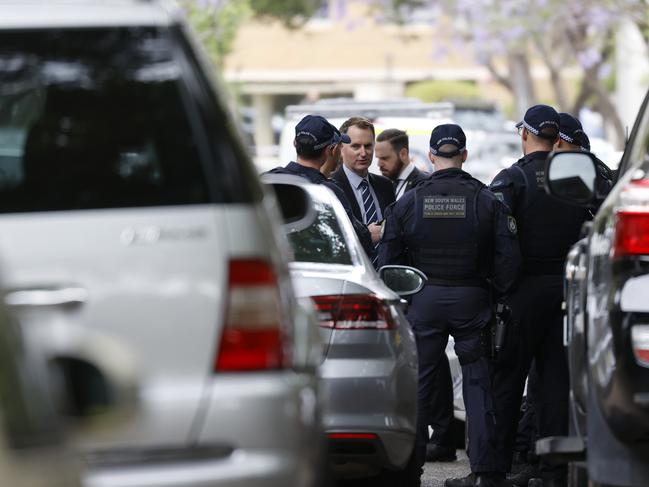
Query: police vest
(446, 241)
(547, 228)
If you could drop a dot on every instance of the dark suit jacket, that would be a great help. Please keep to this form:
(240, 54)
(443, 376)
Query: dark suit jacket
(381, 185)
(415, 177)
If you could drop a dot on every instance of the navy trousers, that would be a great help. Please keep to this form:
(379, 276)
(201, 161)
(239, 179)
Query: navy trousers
(536, 308)
(441, 408)
(462, 312)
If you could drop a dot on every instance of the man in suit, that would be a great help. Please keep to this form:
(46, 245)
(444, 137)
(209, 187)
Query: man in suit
(392, 152)
(368, 194)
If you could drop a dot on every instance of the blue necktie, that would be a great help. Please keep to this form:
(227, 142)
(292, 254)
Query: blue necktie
(368, 203)
(370, 214)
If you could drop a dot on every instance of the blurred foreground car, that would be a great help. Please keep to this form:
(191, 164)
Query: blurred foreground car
(369, 373)
(607, 322)
(132, 223)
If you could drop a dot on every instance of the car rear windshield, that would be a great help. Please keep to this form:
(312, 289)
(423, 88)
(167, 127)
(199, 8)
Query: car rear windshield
(323, 241)
(95, 119)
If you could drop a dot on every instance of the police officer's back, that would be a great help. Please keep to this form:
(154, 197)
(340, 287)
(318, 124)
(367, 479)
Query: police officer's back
(461, 236)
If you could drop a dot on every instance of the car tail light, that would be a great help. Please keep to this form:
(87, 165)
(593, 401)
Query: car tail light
(632, 220)
(253, 337)
(352, 436)
(353, 312)
(640, 342)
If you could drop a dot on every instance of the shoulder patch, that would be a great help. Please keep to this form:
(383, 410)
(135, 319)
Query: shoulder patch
(511, 225)
(497, 183)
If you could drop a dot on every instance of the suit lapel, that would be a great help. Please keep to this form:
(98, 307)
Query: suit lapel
(411, 179)
(344, 183)
(383, 193)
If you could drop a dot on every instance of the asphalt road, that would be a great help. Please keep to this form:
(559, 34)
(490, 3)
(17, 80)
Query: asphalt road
(434, 473)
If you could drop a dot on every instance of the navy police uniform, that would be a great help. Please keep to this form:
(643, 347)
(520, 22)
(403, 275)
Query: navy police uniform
(547, 228)
(574, 137)
(458, 233)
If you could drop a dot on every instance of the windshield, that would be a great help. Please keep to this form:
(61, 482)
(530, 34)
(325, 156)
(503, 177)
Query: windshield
(94, 119)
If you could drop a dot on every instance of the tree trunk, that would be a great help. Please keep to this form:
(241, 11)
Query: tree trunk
(521, 82)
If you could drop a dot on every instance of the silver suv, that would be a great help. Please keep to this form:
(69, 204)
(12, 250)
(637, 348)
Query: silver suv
(139, 255)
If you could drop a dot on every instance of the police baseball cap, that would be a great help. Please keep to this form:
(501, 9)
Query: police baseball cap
(316, 133)
(444, 134)
(542, 121)
(585, 142)
(570, 130)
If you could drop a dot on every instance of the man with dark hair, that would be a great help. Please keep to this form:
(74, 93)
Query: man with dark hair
(547, 229)
(316, 143)
(453, 229)
(369, 194)
(393, 154)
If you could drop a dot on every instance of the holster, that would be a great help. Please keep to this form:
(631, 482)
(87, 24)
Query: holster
(499, 331)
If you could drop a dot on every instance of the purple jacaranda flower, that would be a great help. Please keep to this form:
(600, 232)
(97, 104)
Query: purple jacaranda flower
(588, 57)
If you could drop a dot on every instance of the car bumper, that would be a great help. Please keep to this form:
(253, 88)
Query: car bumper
(257, 430)
(373, 393)
(242, 468)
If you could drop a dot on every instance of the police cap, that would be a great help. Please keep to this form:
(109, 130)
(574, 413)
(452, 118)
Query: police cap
(448, 133)
(315, 132)
(542, 121)
(570, 130)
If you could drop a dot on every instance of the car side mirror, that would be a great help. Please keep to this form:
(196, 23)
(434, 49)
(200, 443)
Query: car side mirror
(571, 177)
(403, 280)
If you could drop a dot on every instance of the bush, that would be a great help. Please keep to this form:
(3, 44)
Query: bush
(443, 90)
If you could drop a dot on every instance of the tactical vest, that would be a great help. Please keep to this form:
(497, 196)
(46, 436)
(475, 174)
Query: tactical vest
(446, 241)
(547, 228)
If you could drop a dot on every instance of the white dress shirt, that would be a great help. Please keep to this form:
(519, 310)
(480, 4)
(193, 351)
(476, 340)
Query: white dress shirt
(400, 187)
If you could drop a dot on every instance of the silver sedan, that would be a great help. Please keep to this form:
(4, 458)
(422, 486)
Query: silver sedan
(369, 372)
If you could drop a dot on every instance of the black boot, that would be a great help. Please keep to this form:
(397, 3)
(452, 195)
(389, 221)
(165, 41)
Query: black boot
(523, 476)
(440, 453)
(467, 481)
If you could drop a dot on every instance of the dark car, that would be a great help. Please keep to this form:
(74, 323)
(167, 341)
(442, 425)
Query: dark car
(607, 319)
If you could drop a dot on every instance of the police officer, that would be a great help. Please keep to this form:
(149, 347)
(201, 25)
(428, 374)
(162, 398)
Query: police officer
(547, 229)
(393, 154)
(317, 144)
(573, 138)
(457, 232)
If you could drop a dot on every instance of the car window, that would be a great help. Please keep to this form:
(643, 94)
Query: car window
(637, 150)
(95, 119)
(323, 241)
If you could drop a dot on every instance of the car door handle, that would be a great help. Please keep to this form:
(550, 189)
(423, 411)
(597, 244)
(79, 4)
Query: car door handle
(47, 296)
